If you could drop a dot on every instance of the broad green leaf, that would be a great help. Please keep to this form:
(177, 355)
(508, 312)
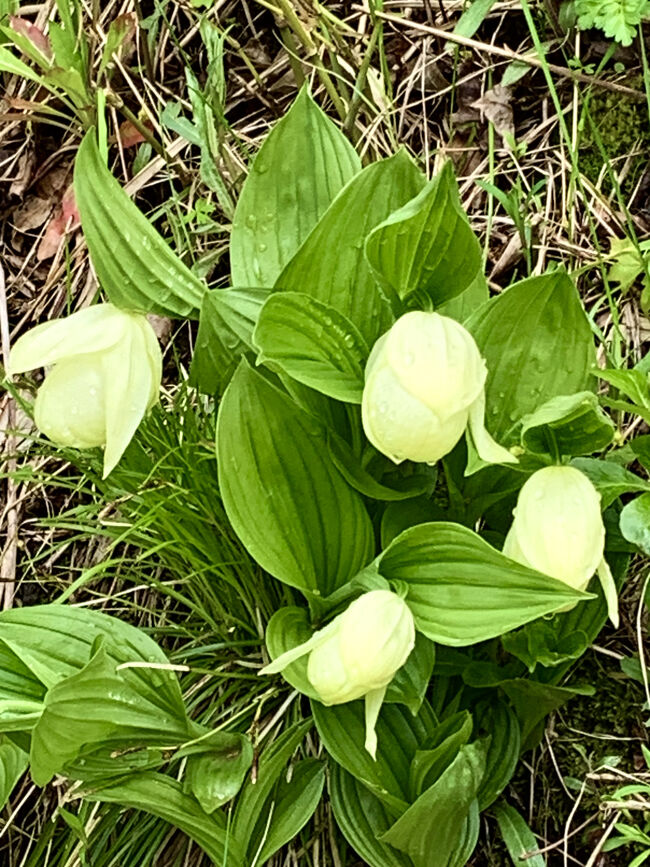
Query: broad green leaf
(428, 244)
(13, 764)
(468, 837)
(635, 522)
(435, 822)
(533, 701)
(163, 797)
(399, 733)
(21, 691)
(136, 268)
(288, 628)
(464, 305)
(313, 343)
(349, 465)
(461, 590)
(499, 722)
(588, 618)
(97, 706)
(292, 806)
(253, 801)
(411, 680)
(285, 499)
(363, 818)
(438, 752)
(214, 777)
(55, 641)
(519, 839)
(401, 516)
(571, 424)
(633, 383)
(331, 266)
(302, 165)
(226, 324)
(609, 479)
(537, 343)
(538, 643)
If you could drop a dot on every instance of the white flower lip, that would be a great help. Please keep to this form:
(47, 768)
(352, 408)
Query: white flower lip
(558, 530)
(424, 386)
(357, 654)
(105, 375)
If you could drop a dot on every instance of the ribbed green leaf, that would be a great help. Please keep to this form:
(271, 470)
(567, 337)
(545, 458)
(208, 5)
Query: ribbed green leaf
(313, 343)
(285, 499)
(461, 590)
(214, 777)
(55, 641)
(13, 763)
(427, 244)
(136, 268)
(537, 342)
(292, 805)
(571, 424)
(228, 317)
(517, 836)
(435, 822)
(302, 165)
(252, 808)
(97, 706)
(498, 721)
(363, 818)
(331, 266)
(163, 797)
(399, 734)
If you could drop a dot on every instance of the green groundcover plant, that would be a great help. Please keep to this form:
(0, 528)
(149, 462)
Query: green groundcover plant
(426, 472)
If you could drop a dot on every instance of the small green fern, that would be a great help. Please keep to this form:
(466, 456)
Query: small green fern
(617, 18)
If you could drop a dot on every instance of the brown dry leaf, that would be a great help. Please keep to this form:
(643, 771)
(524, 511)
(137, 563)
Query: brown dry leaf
(162, 327)
(495, 106)
(32, 213)
(23, 179)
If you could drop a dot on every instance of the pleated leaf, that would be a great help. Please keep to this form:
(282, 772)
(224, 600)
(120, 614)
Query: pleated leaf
(283, 495)
(302, 165)
(136, 267)
(331, 265)
(461, 590)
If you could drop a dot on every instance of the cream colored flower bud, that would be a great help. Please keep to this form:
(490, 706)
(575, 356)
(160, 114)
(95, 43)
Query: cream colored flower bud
(558, 530)
(424, 385)
(105, 374)
(357, 654)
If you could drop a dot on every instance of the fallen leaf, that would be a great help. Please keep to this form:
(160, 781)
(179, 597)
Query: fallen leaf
(65, 221)
(32, 213)
(130, 136)
(496, 107)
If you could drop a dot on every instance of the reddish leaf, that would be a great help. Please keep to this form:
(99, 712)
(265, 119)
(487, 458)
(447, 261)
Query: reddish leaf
(65, 221)
(33, 33)
(130, 136)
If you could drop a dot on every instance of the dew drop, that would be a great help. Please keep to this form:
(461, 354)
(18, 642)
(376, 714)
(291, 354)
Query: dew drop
(383, 408)
(261, 248)
(409, 359)
(251, 221)
(92, 391)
